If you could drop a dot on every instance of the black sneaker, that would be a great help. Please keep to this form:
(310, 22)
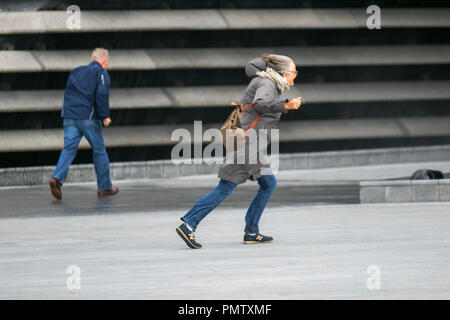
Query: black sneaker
(257, 238)
(188, 236)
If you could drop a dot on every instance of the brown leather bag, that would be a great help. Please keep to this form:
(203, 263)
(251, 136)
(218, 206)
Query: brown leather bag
(233, 123)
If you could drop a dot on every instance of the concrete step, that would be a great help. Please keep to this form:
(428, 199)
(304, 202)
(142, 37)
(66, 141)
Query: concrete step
(219, 96)
(135, 136)
(210, 58)
(219, 19)
(404, 191)
(296, 169)
(51, 100)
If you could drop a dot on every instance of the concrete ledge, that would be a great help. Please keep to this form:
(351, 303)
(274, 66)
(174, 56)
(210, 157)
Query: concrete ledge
(66, 60)
(220, 96)
(404, 191)
(310, 130)
(210, 19)
(51, 100)
(141, 59)
(111, 21)
(18, 61)
(373, 191)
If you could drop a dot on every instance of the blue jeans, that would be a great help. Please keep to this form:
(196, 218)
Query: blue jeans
(208, 202)
(74, 130)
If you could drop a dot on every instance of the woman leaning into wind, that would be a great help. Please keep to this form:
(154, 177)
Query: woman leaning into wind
(271, 75)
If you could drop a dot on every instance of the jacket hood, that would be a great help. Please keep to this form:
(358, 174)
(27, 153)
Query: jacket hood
(255, 65)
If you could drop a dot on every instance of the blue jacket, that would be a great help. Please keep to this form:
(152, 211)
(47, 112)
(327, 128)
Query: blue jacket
(87, 93)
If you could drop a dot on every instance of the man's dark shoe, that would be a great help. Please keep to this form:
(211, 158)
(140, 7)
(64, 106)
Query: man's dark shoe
(55, 188)
(188, 236)
(257, 238)
(106, 193)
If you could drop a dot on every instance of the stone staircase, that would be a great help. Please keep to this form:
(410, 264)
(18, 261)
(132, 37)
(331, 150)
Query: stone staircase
(173, 62)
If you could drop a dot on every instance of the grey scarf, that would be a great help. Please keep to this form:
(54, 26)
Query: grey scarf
(271, 74)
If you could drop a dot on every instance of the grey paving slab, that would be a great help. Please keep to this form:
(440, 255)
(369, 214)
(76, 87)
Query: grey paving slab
(319, 252)
(159, 192)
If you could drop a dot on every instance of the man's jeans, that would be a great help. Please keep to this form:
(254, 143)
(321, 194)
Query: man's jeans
(205, 205)
(74, 130)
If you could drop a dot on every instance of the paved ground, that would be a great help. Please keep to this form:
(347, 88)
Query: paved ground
(319, 252)
(162, 195)
(126, 246)
(296, 188)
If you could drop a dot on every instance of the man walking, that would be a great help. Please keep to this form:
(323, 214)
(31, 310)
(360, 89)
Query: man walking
(85, 107)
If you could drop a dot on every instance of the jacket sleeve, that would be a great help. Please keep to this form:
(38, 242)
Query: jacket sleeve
(268, 101)
(102, 96)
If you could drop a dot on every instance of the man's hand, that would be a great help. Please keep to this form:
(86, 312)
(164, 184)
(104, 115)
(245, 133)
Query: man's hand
(293, 104)
(106, 122)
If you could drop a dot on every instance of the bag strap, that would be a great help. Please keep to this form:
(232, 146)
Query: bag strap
(234, 104)
(253, 123)
(249, 105)
(245, 108)
(256, 119)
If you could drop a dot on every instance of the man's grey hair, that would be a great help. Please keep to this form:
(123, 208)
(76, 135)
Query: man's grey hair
(278, 63)
(99, 53)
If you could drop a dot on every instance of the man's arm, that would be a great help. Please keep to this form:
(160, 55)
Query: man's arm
(102, 98)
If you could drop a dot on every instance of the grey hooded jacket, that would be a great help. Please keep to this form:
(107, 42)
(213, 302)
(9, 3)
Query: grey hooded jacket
(270, 106)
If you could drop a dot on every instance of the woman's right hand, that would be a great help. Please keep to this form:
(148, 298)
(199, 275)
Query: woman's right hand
(293, 104)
